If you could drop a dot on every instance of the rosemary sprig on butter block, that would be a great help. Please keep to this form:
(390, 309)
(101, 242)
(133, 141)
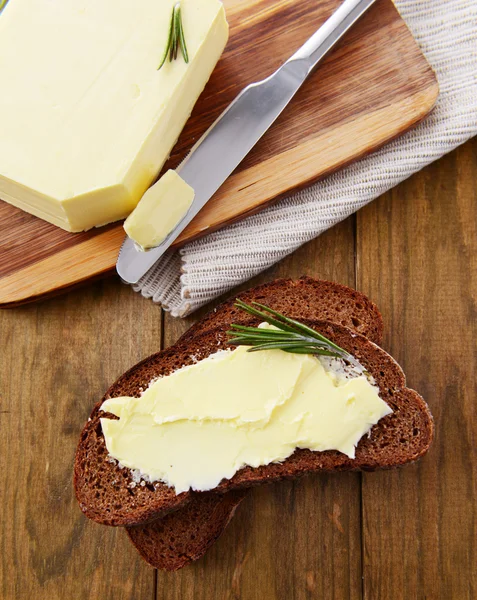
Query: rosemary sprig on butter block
(3, 3)
(289, 335)
(175, 39)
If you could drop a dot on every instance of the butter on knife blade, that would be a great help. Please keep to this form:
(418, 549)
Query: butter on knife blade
(159, 211)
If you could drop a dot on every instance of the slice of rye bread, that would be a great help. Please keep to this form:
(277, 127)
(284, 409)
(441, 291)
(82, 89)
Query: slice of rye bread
(104, 490)
(186, 534)
(304, 298)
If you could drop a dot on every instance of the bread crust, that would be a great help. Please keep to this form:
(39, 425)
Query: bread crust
(304, 298)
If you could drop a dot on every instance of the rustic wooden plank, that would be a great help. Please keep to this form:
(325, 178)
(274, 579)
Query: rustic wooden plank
(372, 87)
(417, 251)
(295, 540)
(58, 358)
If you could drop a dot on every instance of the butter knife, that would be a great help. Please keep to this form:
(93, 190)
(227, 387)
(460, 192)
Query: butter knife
(231, 137)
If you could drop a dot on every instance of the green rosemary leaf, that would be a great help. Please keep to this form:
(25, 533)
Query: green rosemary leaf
(290, 335)
(172, 50)
(263, 332)
(251, 340)
(240, 341)
(257, 313)
(177, 28)
(169, 41)
(313, 351)
(301, 326)
(280, 346)
(176, 39)
(182, 41)
(3, 3)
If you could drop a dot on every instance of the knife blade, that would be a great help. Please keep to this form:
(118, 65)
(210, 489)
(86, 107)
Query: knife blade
(236, 131)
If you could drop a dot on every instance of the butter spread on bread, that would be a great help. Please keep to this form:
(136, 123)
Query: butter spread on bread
(204, 422)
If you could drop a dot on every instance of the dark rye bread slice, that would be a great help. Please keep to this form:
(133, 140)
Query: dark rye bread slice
(103, 489)
(304, 298)
(186, 534)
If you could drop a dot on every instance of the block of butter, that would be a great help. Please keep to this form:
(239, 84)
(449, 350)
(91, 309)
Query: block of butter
(160, 209)
(86, 118)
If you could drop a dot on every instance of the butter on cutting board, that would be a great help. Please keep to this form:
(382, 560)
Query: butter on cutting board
(161, 208)
(86, 118)
(204, 422)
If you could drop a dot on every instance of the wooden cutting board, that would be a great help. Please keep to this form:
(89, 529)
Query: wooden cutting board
(370, 89)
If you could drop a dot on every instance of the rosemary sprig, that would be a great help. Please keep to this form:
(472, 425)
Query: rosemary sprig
(175, 38)
(3, 3)
(290, 335)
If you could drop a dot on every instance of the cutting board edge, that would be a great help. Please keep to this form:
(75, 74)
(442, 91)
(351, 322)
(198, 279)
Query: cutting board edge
(101, 258)
(9, 300)
(421, 116)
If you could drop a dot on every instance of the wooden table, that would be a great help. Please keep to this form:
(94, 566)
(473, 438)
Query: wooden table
(408, 534)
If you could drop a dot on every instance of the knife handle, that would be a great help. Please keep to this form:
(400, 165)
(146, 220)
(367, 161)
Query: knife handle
(332, 30)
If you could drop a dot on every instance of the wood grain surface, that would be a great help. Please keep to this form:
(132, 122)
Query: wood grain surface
(374, 86)
(426, 233)
(398, 535)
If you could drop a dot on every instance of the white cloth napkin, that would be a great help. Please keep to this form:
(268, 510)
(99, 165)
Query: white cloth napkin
(447, 33)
